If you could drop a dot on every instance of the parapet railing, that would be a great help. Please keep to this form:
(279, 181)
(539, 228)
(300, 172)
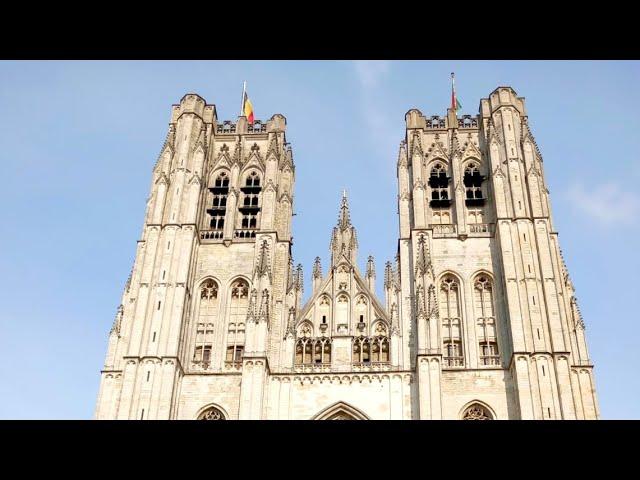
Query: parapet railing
(444, 229)
(450, 230)
(467, 121)
(436, 122)
(481, 229)
(211, 234)
(228, 127)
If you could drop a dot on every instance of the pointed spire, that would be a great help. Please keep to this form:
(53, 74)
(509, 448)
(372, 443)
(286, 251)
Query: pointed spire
(252, 309)
(395, 327)
(423, 260)
(288, 157)
(317, 269)
(202, 138)
(344, 240)
(388, 275)
(273, 147)
(290, 276)
(344, 219)
(291, 323)
(264, 306)
(299, 280)
(402, 153)
(262, 265)
(432, 302)
(371, 267)
(420, 303)
(416, 144)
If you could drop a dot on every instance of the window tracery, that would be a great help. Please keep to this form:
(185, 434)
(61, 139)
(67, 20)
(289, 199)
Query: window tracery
(451, 322)
(439, 183)
(473, 185)
(220, 192)
(313, 351)
(486, 321)
(212, 413)
(373, 349)
(477, 412)
(250, 206)
(206, 320)
(238, 305)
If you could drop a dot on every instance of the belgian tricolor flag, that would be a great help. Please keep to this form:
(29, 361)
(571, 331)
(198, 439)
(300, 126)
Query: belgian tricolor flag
(455, 104)
(247, 107)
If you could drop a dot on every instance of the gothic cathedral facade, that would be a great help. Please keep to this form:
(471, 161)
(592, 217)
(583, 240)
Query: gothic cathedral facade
(479, 319)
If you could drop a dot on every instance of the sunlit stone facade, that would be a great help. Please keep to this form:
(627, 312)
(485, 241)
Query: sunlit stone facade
(479, 319)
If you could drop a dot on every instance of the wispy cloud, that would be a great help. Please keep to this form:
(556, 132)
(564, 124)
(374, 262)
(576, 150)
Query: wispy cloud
(371, 72)
(606, 204)
(371, 76)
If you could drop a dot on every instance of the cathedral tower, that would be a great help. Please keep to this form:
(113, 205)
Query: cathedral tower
(487, 300)
(208, 288)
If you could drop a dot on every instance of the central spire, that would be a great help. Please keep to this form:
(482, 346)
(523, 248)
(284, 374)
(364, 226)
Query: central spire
(344, 220)
(343, 240)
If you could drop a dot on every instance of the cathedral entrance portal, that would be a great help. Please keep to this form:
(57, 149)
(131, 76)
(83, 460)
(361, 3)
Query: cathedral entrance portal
(341, 411)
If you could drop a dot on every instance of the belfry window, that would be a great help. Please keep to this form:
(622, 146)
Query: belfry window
(250, 206)
(439, 183)
(451, 322)
(220, 191)
(485, 321)
(473, 185)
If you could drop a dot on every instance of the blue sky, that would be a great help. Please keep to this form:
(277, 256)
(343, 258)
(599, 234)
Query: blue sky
(79, 139)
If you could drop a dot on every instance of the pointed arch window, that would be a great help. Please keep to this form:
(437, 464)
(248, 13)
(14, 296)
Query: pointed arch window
(439, 183)
(212, 413)
(380, 344)
(361, 350)
(250, 205)
(485, 321)
(206, 321)
(312, 351)
(451, 322)
(477, 411)
(217, 211)
(473, 185)
(238, 306)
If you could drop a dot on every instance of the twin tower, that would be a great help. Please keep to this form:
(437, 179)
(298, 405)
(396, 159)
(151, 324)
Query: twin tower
(479, 319)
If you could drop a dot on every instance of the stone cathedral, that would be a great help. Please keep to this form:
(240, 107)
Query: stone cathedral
(479, 318)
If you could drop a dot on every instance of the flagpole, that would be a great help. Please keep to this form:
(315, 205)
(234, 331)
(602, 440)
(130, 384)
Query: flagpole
(244, 89)
(453, 91)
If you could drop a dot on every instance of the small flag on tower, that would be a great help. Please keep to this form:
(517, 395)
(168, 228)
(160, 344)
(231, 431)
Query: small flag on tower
(455, 104)
(247, 107)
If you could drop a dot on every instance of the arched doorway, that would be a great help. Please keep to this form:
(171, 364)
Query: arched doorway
(341, 411)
